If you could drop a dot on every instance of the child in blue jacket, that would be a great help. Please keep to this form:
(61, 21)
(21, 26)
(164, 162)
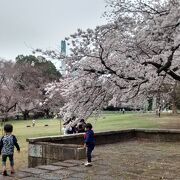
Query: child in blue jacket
(89, 143)
(7, 143)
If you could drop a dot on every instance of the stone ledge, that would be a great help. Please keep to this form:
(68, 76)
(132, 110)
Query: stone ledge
(57, 139)
(46, 150)
(71, 136)
(158, 130)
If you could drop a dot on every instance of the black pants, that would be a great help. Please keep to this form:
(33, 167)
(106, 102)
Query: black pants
(11, 159)
(89, 151)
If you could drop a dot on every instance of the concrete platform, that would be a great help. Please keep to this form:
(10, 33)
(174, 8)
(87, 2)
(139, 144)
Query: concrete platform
(132, 160)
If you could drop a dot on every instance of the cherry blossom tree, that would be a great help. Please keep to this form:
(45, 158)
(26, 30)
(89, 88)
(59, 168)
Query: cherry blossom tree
(156, 37)
(33, 73)
(52, 100)
(8, 98)
(29, 81)
(129, 59)
(21, 87)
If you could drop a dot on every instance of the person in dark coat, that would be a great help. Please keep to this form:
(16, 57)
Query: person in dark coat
(89, 143)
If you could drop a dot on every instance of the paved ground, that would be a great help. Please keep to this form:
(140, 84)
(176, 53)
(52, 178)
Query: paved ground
(134, 160)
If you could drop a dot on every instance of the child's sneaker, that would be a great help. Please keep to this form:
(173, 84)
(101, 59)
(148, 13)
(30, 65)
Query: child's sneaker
(4, 173)
(87, 164)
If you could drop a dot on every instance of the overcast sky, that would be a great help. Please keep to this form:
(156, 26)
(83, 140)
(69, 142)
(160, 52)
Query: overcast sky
(43, 23)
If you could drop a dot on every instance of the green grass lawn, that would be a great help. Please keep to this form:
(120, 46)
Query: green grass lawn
(107, 121)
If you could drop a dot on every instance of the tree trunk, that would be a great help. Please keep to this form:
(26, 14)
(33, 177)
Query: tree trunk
(174, 96)
(25, 114)
(47, 112)
(174, 107)
(6, 116)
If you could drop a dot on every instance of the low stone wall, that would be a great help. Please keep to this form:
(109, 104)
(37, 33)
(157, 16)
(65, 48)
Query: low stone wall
(42, 153)
(101, 137)
(158, 135)
(46, 150)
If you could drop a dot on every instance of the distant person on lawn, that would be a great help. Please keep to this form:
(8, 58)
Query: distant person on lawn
(7, 143)
(89, 143)
(33, 122)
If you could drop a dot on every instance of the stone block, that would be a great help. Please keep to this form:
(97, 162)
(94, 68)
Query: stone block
(49, 167)
(72, 178)
(34, 170)
(73, 161)
(34, 161)
(101, 177)
(51, 176)
(78, 168)
(64, 173)
(80, 153)
(80, 175)
(64, 164)
(69, 153)
(50, 161)
(31, 178)
(53, 152)
(35, 150)
(21, 174)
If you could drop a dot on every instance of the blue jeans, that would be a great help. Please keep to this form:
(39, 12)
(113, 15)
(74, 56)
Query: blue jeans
(90, 148)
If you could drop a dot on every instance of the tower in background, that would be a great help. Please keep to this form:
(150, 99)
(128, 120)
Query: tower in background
(63, 47)
(63, 53)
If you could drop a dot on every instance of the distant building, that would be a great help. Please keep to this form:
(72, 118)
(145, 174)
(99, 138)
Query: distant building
(63, 52)
(63, 47)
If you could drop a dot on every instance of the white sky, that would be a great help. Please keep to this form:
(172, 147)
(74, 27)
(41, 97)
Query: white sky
(43, 23)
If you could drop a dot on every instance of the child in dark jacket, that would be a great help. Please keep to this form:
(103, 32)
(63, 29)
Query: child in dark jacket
(7, 143)
(89, 143)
